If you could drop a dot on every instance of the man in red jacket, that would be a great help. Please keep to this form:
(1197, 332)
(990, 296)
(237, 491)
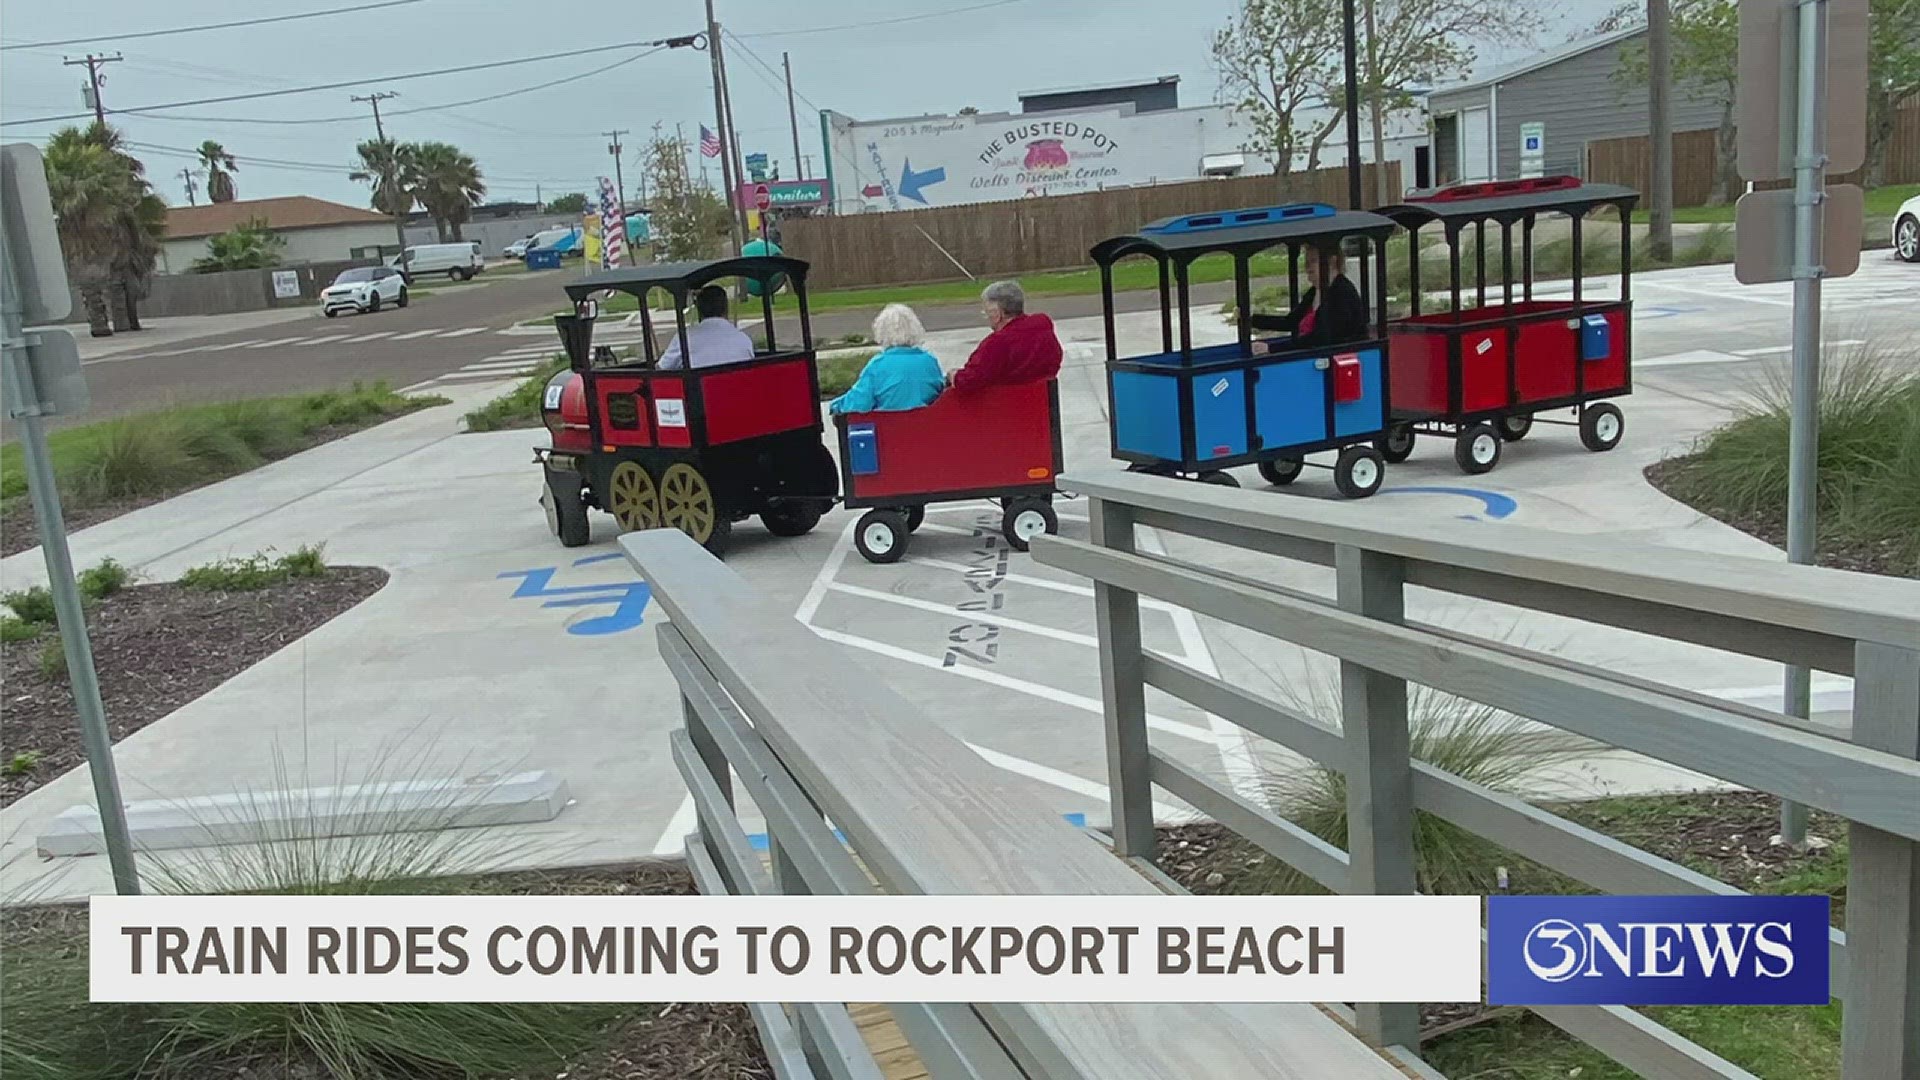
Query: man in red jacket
(1022, 348)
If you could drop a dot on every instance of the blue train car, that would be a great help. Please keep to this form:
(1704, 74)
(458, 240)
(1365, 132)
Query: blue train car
(1267, 402)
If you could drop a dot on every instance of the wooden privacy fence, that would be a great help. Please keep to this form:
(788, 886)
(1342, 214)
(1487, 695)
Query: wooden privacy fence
(1626, 160)
(1850, 624)
(1016, 236)
(808, 733)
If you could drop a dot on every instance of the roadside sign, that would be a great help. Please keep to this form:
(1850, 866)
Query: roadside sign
(1767, 95)
(1533, 149)
(286, 284)
(1763, 234)
(762, 197)
(33, 244)
(54, 385)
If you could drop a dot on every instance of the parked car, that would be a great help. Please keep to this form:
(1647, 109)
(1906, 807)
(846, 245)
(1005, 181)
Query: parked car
(1906, 230)
(364, 289)
(518, 249)
(457, 261)
(564, 237)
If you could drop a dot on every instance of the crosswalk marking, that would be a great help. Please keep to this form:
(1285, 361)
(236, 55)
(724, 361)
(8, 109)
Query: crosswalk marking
(322, 340)
(497, 365)
(464, 375)
(247, 344)
(464, 331)
(368, 337)
(411, 334)
(278, 341)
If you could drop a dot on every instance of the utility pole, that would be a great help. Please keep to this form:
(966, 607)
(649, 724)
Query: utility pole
(1377, 113)
(391, 182)
(739, 159)
(792, 116)
(187, 175)
(94, 62)
(734, 225)
(1351, 49)
(538, 202)
(1660, 128)
(619, 180)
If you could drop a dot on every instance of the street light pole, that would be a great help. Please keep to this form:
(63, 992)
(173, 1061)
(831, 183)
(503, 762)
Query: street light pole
(720, 119)
(793, 118)
(1352, 49)
(1660, 129)
(619, 181)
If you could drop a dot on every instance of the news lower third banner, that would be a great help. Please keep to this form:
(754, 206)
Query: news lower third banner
(786, 948)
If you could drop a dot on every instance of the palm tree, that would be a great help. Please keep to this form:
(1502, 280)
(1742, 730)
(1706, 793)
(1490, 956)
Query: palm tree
(91, 190)
(448, 184)
(220, 170)
(249, 245)
(138, 231)
(387, 166)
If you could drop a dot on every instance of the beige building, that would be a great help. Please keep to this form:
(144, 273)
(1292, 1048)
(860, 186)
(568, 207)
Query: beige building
(315, 230)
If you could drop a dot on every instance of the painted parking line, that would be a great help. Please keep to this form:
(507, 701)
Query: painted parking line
(995, 618)
(368, 337)
(411, 334)
(311, 342)
(1778, 350)
(1690, 358)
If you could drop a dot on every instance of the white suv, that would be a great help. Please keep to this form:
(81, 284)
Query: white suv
(364, 289)
(1906, 230)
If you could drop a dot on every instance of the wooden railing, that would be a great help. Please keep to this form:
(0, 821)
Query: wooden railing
(810, 735)
(1851, 624)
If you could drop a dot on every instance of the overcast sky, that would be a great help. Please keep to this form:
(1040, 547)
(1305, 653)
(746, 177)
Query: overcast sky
(551, 137)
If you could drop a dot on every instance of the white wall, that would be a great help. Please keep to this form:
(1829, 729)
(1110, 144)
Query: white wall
(323, 243)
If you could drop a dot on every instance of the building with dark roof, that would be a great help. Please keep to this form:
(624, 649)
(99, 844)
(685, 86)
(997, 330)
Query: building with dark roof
(314, 230)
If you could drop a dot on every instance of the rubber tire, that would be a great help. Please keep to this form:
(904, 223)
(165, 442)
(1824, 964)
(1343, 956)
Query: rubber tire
(461, 274)
(1390, 449)
(1514, 428)
(373, 304)
(401, 301)
(792, 519)
(1219, 478)
(1906, 243)
(569, 510)
(1463, 448)
(895, 524)
(1017, 509)
(1353, 458)
(1590, 418)
(1281, 471)
(916, 515)
(331, 313)
(720, 539)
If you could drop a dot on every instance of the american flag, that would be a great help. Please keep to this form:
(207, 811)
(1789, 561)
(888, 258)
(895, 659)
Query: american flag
(613, 226)
(709, 143)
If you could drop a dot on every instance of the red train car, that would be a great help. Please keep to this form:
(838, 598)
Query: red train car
(1002, 443)
(1480, 373)
(695, 449)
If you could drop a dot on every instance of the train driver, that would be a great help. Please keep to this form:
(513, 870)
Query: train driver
(713, 340)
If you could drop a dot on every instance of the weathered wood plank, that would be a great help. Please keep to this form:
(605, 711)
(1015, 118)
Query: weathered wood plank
(927, 815)
(1640, 1044)
(1116, 614)
(1271, 833)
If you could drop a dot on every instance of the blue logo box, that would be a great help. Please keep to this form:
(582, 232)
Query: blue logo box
(1657, 950)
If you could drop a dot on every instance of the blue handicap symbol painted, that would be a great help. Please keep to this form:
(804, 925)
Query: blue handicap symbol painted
(629, 598)
(1494, 504)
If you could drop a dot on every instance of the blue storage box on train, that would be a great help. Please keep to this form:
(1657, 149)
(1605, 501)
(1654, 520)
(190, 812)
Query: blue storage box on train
(1199, 410)
(863, 450)
(1595, 338)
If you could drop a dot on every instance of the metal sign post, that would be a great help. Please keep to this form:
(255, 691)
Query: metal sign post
(42, 378)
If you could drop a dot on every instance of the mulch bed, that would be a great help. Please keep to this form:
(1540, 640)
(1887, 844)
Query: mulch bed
(1835, 552)
(156, 648)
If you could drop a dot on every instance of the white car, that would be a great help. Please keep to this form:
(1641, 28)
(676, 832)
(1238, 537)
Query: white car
(364, 289)
(1906, 230)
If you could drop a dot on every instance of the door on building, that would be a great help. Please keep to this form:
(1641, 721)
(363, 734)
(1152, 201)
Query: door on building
(1446, 148)
(1422, 167)
(1476, 144)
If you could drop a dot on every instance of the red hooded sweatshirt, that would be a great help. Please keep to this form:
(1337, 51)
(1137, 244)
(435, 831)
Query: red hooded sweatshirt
(1023, 350)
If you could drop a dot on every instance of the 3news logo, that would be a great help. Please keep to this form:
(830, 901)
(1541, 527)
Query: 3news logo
(1657, 950)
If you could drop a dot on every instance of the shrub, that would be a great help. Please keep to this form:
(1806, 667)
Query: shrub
(837, 373)
(519, 407)
(308, 561)
(12, 629)
(22, 763)
(251, 573)
(53, 661)
(103, 580)
(32, 605)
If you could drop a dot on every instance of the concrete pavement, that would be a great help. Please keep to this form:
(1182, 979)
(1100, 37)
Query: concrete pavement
(475, 660)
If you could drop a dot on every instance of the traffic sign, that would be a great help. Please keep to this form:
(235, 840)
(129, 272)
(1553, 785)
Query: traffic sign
(1768, 97)
(762, 197)
(1763, 234)
(33, 243)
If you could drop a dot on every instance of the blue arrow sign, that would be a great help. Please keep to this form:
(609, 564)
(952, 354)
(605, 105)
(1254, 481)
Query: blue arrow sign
(913, 183)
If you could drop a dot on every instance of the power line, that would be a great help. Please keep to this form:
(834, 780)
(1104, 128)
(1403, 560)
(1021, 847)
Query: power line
(206, 26)
(337, 169)
(462, 69)
(878, 22)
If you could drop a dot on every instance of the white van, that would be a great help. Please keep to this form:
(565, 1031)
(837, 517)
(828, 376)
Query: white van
(457, 261)
(547, 238)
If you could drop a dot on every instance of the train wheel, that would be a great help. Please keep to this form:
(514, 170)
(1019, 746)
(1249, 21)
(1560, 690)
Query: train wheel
(882, 536)
(791, 519)
(1477, 449)
(1515, 428)
(915, 515)
(687, 504)
(1281, 471)
(1601, 427)
(1396, 443)
(631, 497)
(566, 511)
(1217, 476)
(1026, 519)
(1359, 472)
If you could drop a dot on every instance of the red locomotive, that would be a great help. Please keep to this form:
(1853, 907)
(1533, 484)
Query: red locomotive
(695, 448)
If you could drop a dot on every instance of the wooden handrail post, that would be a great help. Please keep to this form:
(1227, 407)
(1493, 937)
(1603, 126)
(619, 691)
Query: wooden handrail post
(1373, 717)
(1123, 691)
(709, 751)
(1880, 1028)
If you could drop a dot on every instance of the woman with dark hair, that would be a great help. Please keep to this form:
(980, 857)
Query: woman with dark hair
(1330, 312)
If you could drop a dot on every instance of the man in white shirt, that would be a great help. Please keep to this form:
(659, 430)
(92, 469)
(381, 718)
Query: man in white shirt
(713, 340)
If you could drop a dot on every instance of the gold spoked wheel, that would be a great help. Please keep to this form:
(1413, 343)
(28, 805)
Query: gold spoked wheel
(686, 502)
(632, 498)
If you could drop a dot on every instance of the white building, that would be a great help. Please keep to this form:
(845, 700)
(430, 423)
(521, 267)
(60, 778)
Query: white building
(314, 230)
(914, 162)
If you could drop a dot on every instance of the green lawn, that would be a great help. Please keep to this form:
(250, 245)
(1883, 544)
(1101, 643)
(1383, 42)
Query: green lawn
(1881, 203)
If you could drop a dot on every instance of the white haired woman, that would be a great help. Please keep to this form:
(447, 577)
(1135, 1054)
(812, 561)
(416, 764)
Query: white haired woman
(902, 375)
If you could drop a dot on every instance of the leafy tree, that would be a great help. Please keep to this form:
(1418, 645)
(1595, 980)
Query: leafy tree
(685, 217)
(968, 110)
(1893, 75)
(385, 165)
(1706, 59)
(110, 222)
(220, 169)
(249, 245)
(1278, 60)
(573, 202)
(446, 182)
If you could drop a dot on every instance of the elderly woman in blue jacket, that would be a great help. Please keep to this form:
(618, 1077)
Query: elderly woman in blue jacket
(902, 375)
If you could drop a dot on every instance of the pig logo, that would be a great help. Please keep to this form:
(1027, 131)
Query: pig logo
(1047, 154)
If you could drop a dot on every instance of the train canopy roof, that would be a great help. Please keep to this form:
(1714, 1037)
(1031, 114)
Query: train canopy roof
(684, 278)
(1245, 231)
(1508, 200)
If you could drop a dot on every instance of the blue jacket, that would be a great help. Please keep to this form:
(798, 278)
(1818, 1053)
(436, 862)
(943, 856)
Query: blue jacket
(899, 378)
